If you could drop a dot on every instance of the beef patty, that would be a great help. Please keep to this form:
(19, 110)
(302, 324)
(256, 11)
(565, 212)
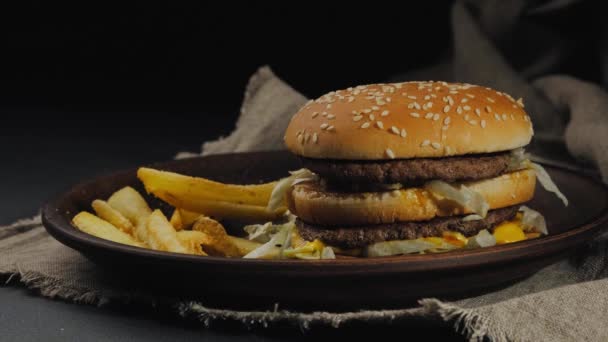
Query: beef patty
(355, 237)
(411, 171)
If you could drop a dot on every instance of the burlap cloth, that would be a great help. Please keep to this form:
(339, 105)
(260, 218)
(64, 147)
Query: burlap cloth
(567, 301)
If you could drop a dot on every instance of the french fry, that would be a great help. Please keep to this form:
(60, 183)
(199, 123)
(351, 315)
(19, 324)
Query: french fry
(161, 235)
(218, 242)
(93, 225)
(183, 218)
(200, 195)
(194, 189)
(176, 220)
(133, 206)
(243, 245)
(106, 212)
(221, 210)
(192, 240)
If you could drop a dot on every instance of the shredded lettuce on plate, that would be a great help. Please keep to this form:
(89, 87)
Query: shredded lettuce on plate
(274, 248)
(532, 220)
(482, 239)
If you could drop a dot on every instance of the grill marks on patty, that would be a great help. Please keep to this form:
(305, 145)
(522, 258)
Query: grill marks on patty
(355, 237)
(411, 171)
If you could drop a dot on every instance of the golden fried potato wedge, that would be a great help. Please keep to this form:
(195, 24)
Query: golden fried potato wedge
(217, 243)
(161, 234)
(176, 220)
(186, 218)
(221, 210)
(134, 207)
(96, 226)
(106, 212)
(194, 189)
(244, 246)
(193, 241)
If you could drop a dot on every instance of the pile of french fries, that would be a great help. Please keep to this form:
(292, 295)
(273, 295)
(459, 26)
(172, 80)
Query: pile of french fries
(193, 227)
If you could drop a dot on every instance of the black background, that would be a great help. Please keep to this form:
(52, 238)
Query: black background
(190, 61)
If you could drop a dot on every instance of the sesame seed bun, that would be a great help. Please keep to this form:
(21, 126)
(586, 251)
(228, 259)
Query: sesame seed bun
(408, 120)
(312, 203)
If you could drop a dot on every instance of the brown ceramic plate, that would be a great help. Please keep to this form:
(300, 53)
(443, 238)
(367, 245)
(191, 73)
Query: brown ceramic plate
(325, 284)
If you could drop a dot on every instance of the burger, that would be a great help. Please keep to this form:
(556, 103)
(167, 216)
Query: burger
(413, 167)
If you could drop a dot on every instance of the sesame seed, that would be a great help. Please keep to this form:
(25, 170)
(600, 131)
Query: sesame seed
(466, 108)
(435, 117)
(384, 113)
(429, 104)
(416, 115)
(300, 138)
(453, 92)
(328, 106)
(483, 123)
(324, 125)
(390, 153)
(496, 116)
(459, 110)
(464, 100)
(375, 108)
(410, 106)
(473, 122)
(367, 110)
(330, 128)
(436, 145)
(324, 113)
(395, 130)
(356, 92)
(526, 118)
(416, 105)
(488, 109)
(504, 116)
(372, 117)
(315, 138)
(306, 137)
(365, 125)
(447, 120)
(403, 133)
(388, 99)
(330, 116)
(520, 102)
(427, 97)
(466, 117)
(446, 109)
(428, 116)
(491, 99)
(355, 112)
(412, 97)
(314, 114)
(450, 100)
(425, 143)
(477, 111)
(357, 118)
(351, 99)
(380, 124)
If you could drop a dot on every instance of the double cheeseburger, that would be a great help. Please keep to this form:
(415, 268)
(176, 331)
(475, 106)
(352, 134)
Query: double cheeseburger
(408, 160)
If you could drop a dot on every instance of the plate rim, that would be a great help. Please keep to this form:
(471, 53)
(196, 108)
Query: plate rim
(54, 222)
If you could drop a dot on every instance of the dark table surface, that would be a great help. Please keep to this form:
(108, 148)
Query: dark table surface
(36, 165)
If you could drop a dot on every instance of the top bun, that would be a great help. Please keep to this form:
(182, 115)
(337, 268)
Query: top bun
(408, 120)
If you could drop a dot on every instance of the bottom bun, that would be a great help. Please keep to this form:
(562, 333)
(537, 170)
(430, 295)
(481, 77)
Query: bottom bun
(313, 203)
